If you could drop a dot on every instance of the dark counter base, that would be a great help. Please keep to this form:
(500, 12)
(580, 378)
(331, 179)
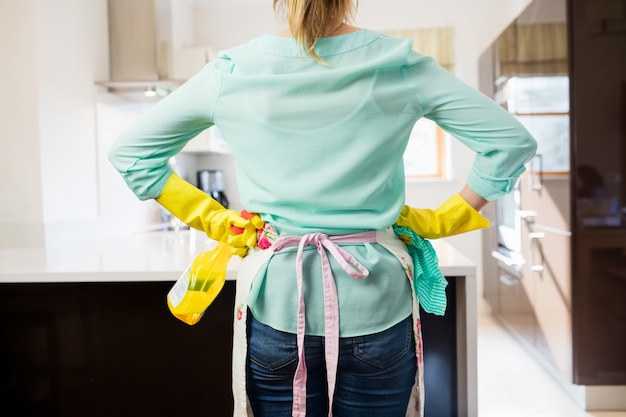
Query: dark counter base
(114, 349)
(111, 349)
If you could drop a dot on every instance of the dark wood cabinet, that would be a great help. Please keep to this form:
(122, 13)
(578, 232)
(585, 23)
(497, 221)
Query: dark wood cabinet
(114, 349)
(598, 103)
(600, 313)
(111, 349)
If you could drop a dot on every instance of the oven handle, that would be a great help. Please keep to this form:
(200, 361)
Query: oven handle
(527, 215)
(509, 280)
(532, 237)
(506, 260)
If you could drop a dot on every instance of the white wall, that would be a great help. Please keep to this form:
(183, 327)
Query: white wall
(52, 51)
(118, 208)
(71, 54)
(21, 206)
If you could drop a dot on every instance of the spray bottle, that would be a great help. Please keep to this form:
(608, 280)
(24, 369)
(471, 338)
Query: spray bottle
(201, 282)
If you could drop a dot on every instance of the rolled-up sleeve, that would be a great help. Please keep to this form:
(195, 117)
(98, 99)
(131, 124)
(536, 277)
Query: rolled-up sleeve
(141, 154)
(501, 143)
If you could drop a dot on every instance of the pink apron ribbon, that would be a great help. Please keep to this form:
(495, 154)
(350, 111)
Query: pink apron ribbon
(331, 305)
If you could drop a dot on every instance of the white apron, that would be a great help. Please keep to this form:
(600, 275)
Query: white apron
(248, 269)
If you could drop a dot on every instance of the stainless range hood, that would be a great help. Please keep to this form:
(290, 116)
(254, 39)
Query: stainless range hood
(140, 46)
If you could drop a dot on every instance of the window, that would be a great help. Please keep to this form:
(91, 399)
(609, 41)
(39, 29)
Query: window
(425, 153)
(541, 103)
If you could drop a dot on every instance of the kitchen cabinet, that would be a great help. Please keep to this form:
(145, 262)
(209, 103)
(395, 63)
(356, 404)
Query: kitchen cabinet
(43, 352)
(600, 309)
(545, 199)
(561, 290)
(111, 349)
(535, 300)
(514, 304)
(546, 273)
(553, 298)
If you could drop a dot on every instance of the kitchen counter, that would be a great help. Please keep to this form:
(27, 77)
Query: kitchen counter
(149, 256)
(137, 257)
(105, 299)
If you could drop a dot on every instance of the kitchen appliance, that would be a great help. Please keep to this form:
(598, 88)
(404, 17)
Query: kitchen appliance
(509, 215)
(212, 183)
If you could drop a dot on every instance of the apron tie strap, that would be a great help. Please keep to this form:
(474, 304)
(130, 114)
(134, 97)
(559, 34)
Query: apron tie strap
(331, 305)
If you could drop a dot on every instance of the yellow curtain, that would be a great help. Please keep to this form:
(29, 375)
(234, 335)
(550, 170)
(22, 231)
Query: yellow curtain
(436, 42)
(533, 49)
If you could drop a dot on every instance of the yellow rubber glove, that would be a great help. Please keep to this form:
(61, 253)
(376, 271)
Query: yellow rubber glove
(454, 216)
(198, 210)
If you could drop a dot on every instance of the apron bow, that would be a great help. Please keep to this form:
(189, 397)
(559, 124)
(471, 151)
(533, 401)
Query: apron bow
(353, 268)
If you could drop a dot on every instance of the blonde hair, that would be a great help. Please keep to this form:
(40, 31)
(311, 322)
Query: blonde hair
(310, 20)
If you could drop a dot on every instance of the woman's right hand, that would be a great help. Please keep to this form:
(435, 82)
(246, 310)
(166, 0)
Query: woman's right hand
(198, 210)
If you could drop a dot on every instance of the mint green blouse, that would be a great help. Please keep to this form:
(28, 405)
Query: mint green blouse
(319, 148)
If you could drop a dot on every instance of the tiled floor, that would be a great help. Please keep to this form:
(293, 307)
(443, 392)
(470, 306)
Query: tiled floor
(512, 384)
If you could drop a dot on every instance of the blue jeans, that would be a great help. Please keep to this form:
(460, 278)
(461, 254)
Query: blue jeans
(374, 377)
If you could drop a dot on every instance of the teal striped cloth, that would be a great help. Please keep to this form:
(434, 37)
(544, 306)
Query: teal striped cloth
(428, 281)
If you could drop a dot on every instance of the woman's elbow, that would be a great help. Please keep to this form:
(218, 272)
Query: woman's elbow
(528, 144)
(116, 158)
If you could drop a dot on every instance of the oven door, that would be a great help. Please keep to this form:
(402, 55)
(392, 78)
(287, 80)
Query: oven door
(509, 261)
(509, 222)
(509, 231)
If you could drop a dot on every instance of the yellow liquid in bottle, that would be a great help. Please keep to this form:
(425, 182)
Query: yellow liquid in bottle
(205, 280)
(194, 303)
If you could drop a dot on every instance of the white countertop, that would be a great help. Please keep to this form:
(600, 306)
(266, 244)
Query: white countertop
(150, 256)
